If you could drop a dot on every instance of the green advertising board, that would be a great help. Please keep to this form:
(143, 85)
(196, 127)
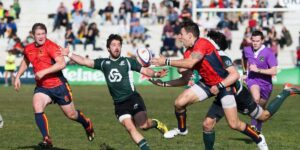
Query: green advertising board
(77, 75)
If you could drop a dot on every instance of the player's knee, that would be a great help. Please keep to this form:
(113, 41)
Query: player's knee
(180, 103)
(72, 115)
(208, 124)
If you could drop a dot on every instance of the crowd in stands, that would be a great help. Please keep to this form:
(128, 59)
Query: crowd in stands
(79, 27)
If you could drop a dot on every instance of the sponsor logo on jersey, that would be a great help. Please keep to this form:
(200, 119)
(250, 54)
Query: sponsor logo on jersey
(107, 62)
(114, 75)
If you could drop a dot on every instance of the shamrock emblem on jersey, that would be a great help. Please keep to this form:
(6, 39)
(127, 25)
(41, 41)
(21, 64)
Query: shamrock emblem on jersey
(114, 75)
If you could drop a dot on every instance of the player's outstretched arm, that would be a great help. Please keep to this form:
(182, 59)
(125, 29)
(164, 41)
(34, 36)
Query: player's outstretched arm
(182, 63)
(182, 81)
(23, 66)
(154, 74)
(78, 59)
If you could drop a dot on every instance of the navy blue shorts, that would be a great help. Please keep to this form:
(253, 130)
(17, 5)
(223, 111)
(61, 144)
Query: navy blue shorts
(62, 95)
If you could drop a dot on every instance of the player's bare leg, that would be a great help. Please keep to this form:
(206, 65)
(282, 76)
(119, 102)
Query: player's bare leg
(40, 101)
(134, 134)
(76, 115)
(143, 122)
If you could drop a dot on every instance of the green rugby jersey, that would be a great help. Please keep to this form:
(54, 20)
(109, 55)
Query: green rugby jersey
(119, 76)
(227, 63)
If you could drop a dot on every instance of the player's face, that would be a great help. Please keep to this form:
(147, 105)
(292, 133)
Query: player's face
(40, 36)
(257, 42)
(185, 38)
(115, 49)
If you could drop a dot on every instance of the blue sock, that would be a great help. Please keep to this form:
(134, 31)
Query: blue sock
(82, 119)
(42, 123)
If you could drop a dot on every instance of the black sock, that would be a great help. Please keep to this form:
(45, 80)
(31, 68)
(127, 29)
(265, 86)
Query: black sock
(181, 120)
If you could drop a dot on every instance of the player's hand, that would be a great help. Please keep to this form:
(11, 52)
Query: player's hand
(253, 68)
(17, 84)
(65, 51)
(161, 73)
(158, 61)
(157, 82)
(39, 75)
(214, 90)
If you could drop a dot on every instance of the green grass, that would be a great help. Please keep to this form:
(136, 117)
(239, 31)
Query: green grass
(20, 131)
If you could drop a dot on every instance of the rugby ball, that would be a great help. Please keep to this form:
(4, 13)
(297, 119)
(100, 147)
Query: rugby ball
(143, 55)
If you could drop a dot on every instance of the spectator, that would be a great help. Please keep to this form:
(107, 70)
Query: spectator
(18, 48)
(145, 8)
(153, 13)
(77, 6)
(138, 32)
(122, 13)
(91, 35)
(168, 39)
(10, 67)
(92, 8)
(228, 35)
(133, 21)
(61, 18)
(2, 28)
(17, 8)
(161, 13)
(11, 27)
(128, 6)
(2, 11)
(70, 38)
(12, 13)
(82, 31)
(29, 39)
(77, 19)
(278, 16)
(108, 11)
(286, 38)
(173, 15)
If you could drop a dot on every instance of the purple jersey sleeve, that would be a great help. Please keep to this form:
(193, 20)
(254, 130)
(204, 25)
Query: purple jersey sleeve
(248, 54)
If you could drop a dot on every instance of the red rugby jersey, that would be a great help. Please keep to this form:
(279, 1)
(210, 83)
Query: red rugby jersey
(210, 67)
(42, 57)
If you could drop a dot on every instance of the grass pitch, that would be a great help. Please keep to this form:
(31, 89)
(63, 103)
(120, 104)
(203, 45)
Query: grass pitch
(20, 131)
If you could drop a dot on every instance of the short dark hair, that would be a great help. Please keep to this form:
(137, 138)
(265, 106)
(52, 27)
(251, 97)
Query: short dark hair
(190, 27)
(258, 33)
(38, 26)
(219, 38)
(113, 37)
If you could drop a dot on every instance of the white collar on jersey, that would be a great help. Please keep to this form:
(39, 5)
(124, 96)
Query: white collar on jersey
(213, 43)
(114, 59)
(258, 51)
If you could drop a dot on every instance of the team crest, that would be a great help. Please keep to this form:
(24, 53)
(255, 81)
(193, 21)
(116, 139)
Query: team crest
(66, 98)
(262, 58)
(122, 63)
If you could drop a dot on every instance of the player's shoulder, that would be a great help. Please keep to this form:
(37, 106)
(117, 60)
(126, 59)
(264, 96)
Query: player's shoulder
(50, 43)
(29, 47)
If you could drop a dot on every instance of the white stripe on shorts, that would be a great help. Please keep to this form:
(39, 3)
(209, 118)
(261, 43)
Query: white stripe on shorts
(199, 91)
(125, 116)
(228, 101)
